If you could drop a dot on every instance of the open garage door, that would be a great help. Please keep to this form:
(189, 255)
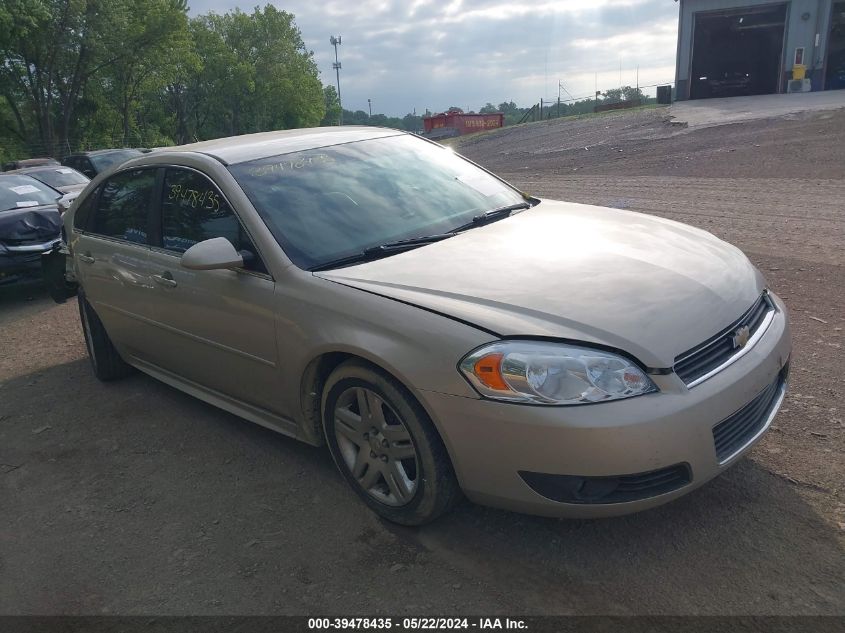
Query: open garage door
(737, 52)
(835, 75)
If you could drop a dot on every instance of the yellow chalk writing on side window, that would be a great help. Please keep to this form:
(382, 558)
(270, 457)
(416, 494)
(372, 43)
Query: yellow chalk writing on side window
(207, 199)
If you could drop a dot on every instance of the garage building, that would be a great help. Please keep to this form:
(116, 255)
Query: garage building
(749, 47)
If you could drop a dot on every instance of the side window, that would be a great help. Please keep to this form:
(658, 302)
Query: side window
(193, 210)
(83, 211)
(87, 167)
(123, 207)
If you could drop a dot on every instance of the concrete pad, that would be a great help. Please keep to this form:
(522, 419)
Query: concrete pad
(709, 112)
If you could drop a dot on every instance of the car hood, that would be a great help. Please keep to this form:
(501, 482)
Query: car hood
(649, 286)
(31, 224)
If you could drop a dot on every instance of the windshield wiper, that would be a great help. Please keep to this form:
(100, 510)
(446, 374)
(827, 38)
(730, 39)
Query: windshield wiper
(382, 250)
(401, 245)
(492, 216)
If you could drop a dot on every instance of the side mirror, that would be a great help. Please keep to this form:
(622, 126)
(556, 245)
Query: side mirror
(214, 254)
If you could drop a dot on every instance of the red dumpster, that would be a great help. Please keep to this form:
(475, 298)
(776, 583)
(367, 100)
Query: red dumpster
(462, 123)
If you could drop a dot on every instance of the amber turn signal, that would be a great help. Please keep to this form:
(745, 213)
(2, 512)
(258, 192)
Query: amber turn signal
(488, 370)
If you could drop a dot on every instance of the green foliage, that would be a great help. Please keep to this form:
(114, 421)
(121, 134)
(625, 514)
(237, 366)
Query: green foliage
(94, 73)
(332, 104)
(410, 122)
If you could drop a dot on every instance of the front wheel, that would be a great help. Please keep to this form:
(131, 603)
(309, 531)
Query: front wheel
(386, 447)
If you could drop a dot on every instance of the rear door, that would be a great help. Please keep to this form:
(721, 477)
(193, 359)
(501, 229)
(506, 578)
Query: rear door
(217, 326)
(111, 254)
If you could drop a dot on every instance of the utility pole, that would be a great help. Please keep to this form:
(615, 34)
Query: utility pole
(370, 106)
(558, 98)
(335, 41)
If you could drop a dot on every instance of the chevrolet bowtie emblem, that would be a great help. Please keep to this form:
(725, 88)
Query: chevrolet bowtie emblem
(740, 337)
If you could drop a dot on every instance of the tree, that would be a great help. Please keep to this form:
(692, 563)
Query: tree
(332, 103)
(626, 93)
(508, 107)
(412, 123)
(53, 49)
(270, 81)
(160, 30)
(488, 108)
(630, 94)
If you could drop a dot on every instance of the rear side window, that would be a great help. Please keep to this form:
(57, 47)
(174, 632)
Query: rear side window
(123, 206)
(83, 211)
(193, 210)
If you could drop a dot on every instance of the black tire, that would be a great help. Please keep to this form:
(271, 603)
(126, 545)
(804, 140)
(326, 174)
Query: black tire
(105, 361)
(435, 487)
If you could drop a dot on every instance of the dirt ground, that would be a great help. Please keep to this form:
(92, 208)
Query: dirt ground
(133, 498)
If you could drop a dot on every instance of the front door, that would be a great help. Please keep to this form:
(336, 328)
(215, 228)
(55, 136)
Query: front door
(217, 327)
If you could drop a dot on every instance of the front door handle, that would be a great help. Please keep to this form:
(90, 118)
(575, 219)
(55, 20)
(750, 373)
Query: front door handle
(165, 279)
(86, 258)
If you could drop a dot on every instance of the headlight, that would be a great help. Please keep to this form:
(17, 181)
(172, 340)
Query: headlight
(552, 373)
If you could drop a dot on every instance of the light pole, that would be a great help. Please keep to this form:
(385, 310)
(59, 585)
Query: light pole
(335, 41)
(370, 106)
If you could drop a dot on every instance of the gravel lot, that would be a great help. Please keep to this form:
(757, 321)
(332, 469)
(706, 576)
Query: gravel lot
(133, 498)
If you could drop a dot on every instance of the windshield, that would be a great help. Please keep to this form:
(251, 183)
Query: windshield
(60, 177)
(20, 192)
(328, 203)
(104, 161)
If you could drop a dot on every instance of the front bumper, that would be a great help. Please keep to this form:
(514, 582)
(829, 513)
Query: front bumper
(492, 442)
(22, 262)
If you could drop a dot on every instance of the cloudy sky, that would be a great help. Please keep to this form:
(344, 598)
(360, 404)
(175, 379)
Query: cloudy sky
(439, 53)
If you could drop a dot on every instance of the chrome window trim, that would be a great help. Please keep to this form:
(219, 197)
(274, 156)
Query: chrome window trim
(755, 338)
(116, 240)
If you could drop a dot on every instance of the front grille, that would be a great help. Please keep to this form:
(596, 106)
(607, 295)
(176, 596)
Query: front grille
(732, 434)
(615, 489)
(694, 364)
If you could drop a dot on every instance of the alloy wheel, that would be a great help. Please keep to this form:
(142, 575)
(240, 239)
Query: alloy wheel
(376, 446)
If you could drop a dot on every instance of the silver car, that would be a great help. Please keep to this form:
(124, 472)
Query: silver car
(440, 331)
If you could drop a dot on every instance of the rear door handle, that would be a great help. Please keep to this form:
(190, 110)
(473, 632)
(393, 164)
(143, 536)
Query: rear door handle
(165, 279)
(86, 258)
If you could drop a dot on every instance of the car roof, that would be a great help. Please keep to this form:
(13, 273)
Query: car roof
(100, 152)
(37, 168)
(33, 162)
(238, 149)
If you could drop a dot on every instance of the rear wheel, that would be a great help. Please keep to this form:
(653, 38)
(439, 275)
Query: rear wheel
(105, 361)
(386, 446)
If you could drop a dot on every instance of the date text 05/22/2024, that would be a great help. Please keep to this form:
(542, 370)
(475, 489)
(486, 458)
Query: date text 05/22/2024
(411, 624)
